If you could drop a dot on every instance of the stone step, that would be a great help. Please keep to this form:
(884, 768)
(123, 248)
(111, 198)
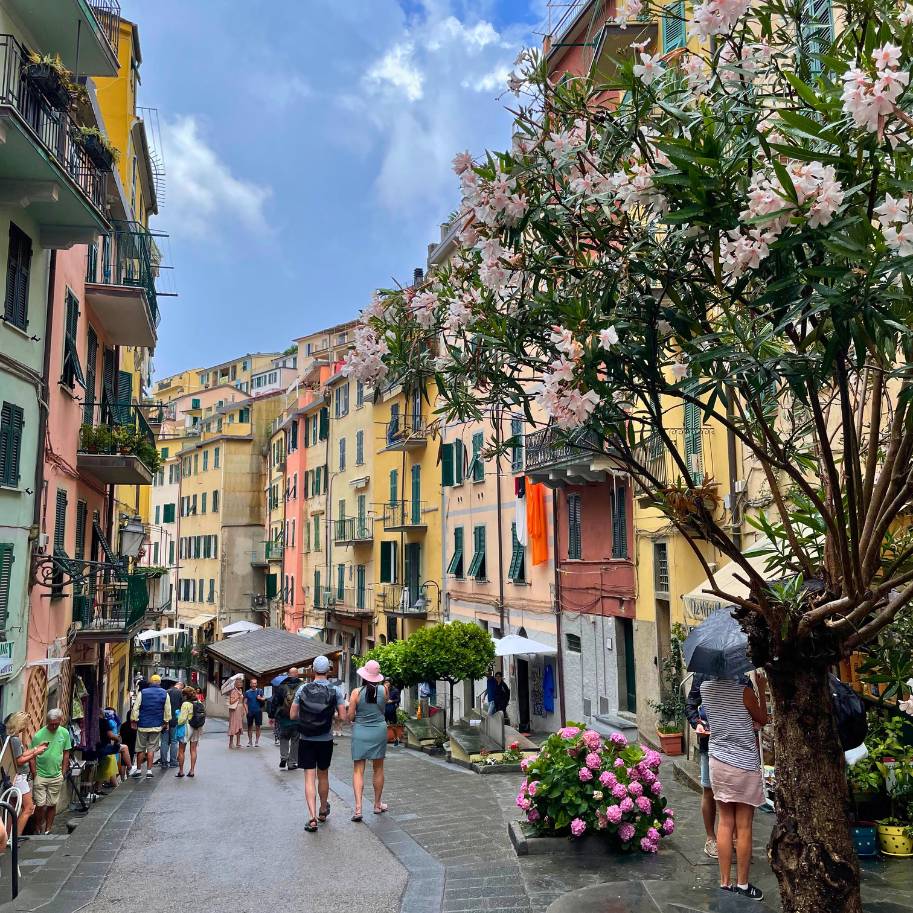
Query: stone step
(607, 723)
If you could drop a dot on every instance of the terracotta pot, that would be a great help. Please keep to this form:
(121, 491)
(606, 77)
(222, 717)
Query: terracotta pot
(670, 742)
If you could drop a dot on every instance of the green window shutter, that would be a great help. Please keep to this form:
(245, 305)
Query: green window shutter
(171, 552)
(477, 565)
(82, 512)
(517, 569)
(165, 453)
(18, 266)
(6, 573)
(388, 562)
(574, 537)
(88, 406)
(362, 511)
(203, 502)
(272, 585)
(458, 458)
(416, 494)
(620, 522)
(477, 466)
(360, 587)
(317, 533)
(318, 595)
(455, 568)
(194, 403)
(124, 397)
(72, 370)
(307, 536)
(817, 32)
(446, 465)
(693, 449)
(324, 423)
(340, 581)
(60, 519)
(168, 513)
(517, 442)
(394, 487)
(11, 424)
(342, 454)
(673, 26)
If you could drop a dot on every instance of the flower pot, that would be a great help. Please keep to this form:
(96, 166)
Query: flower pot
(893, 841)
(102, 158)
(670, 742)
(865, 841)
(49, 83)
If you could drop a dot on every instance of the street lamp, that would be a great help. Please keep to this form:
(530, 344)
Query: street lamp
(132, 536)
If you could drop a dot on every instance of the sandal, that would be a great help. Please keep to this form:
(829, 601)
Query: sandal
(324, 813)
(190, 774)
(357, 816)
(180, 774)
(311, 826)
(380, 809)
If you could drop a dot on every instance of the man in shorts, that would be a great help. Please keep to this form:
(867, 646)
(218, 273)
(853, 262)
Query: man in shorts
(51, 767)
(254, 700)
(150, 715)
(317, 703)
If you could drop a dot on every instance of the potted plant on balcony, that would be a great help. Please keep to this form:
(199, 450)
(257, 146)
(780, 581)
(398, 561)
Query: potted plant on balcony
(103, 154)
(88, 438)
(670, 708)
(51, 78)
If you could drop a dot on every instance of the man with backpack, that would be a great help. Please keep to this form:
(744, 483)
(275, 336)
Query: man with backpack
(280, 711)
(315, 706)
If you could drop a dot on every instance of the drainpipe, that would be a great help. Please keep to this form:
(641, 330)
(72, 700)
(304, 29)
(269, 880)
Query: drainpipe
(43, 395)
(558, 630)
(735, 522)
(500, 519)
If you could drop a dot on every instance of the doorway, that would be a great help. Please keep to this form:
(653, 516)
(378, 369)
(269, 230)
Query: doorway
(523, 695)
(627, 677)
(663, 637)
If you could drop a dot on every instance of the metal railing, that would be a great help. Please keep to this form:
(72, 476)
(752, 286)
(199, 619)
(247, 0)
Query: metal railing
(54, 129)
(131, 259)
(406, 428)
(107, 15)
(551, 446)
(404, 515)
(116, 428)
(402, 599)
(110, 603)
(651, 454)
(660, 567)
(353, 529)
(354, 601)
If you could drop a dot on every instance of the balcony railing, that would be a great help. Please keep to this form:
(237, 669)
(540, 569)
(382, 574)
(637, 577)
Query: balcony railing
(108, 606)
(107, 14)
(654, 456)
(402, 599)
(553, 447)
(112, 448)
(55, 130)
(406, 431)
(132, 261)
(353, 601)
(353, 529)
(404, 515)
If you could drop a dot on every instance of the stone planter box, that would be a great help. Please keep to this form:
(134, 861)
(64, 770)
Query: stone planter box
(497, 768)
(526, 843)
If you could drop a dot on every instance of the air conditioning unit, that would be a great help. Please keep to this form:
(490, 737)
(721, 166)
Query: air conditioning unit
(43, 540)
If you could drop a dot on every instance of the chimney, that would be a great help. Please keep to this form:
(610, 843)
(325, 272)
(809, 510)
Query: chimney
(417, 276)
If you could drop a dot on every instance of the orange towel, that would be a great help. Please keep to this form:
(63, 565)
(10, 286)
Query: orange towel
(536, 522)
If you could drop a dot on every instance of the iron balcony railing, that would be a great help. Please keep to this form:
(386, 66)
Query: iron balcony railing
(130, 258)
(110, 603)
(403, 599)
(402, 515)
(551, 447)
(353, 529)
(352, 601)
(406, 429)
(114, 427)
(653, 454)
(54, 129)
(107, 15)
(266, 551)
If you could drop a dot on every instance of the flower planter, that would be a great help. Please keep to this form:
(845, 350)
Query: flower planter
(102, 158)
(49, 83)
(865, 839)
(670, 743)
(893, 841)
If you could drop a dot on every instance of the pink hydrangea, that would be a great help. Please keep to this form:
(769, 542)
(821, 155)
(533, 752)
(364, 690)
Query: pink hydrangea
(653, 834)
(632, 773)
(585, 774)
(648, 777)
(668, 825)
(593, 761)
(619, 791)
(578, 826)
(643, 803)
(607, 778)
(524, 803)
(626, 832)
(524, 764)
(653, 759)
(568, 732)
(656, 788)
(592, 740)
(669, 811)
(532, 787)
(618, 739)
(613, 813)
(619, 762)
(647, 845)
(626, 804)
(634, 789)
(533, 815)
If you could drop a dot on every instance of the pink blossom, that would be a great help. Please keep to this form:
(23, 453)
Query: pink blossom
(524, 803)
(568, 732)
(524, 764)
(462, 161)
(633, 773)
(652, 758)
(601, 821)
(656, 788)
(531, 789)
(643, 804)
(619, 791)
(626, 832)
(578, 826)
(626, 10)
(614, 813)
(635, 789)
(626, 805)
(887, 56)
(669, 811)
(668, 825)
(654, 834)
(647, 845)
(695, 74)
(593, 761)
(618, 739)
(607, 778)
(618, 762)
(533, 815)
(717, 17)
(592, 740)
(585, 774)
(649, 69)
(680, 368)
(906, 15)
(365, 361)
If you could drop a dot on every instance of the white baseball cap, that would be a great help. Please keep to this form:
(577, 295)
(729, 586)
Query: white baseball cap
(321, 665)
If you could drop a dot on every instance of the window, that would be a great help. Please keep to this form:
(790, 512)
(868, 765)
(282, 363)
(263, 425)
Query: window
(673, 26)
(416, 494)
(92, 262)
(360, 447)
(205, 460)
(574, 543)
(477, 565)
(72, 371)
(193, 508)
(388, 562)
(60, 538)
(516, 445)
(446, 465)
(158, 515)
(168, 513)
(455, 568)
(316, 537)
(186, 467)
(11, 424)
(292, 540)
(517, 570)
(324, 423)
(171, 552)
(212, 590)
(694, 458)
(342, 454)
(203, 502)
(307, 536)
(458, 458)
(201, 590)
(619, 522)
(18, 264)
(573, 643)
(244, 415)
(360, 587)
(318, 596)
(155, 553)
(661, 567)
(817, 31)
(215, 458)
(196, 464)
(477, 464)
(82, 513)
(361, 531)
(340, 582)
(215, 546)
(293, 437)
(215, 502)
(394, 487)
(359, 394)
(6, 573)
(88, 408)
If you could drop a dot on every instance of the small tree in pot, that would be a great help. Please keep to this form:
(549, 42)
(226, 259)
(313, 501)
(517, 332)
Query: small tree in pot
(670, 708)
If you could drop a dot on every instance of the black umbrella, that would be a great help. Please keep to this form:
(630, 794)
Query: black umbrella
(718, 646)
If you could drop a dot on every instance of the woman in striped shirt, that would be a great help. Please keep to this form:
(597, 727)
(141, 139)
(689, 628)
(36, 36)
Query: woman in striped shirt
(735, 714)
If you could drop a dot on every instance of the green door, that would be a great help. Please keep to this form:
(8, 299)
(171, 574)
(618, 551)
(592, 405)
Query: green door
(630, 676)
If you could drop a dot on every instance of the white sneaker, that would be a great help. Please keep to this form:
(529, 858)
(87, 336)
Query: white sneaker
(134, 771)
(149, 774)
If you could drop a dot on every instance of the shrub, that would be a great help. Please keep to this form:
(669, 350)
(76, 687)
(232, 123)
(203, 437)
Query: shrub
(580, 783)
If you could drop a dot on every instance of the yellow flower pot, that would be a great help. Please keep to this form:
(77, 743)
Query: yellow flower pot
(893, 841)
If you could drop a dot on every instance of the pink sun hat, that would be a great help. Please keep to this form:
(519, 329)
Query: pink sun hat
(370, 672)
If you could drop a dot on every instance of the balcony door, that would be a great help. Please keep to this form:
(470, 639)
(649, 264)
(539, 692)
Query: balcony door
(413, 570)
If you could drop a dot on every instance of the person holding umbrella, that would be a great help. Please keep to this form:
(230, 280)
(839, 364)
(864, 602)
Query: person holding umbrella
(233, 689)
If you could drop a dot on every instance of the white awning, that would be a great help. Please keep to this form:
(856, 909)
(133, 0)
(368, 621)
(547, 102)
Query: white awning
(515, 645)
(151, 634)
(313, 633)
(200, 620)
(238, 627)
(699, 604)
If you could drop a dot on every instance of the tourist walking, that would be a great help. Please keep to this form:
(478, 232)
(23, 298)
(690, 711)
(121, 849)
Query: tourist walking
(369, 735)
(236, 712)
(287, 728)
(16, 724)
(150, 715)
(51, 763)
(183, 732)
(391, 707)
(317, 703)
(502, 695)
(698, 719)
(169, 755)
(254, 701)
(196, 720)
(735, 713)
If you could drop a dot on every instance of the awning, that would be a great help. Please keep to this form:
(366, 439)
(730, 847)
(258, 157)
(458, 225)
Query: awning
(267, 651)
(199, 620)
(151, 634)
(515, 645)
(313, 633)
(699, 604)
(240, 627)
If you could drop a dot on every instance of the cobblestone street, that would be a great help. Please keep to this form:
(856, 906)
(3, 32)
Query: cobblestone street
(233, 838)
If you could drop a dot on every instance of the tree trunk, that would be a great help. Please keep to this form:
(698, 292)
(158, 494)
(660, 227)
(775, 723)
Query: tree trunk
(811, 851)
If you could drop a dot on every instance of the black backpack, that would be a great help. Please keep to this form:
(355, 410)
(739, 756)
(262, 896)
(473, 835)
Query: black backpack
(198, 717)
(849, 714)
(316, 708)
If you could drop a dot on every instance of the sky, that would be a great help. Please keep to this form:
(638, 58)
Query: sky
(307, 148)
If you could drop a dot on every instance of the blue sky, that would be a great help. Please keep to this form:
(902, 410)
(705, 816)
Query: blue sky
(307, 145)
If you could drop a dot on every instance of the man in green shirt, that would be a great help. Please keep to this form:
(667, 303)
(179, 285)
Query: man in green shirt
(51, 767)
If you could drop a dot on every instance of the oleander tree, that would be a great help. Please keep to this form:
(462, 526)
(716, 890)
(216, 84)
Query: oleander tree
(728, 230)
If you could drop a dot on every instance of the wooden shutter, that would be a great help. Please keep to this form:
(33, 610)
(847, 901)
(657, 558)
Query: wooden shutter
(517, 569)
(271, 586)
(360, 586)
(88, 408)
(620, 522)
(82, 511)
(673, 26)
(124, 397)
(6, 573)
(394, 487)
(574, 543)
(324, 423)
(458, 458)
(478, 465)
(416, 494)
(693, 449)
(72, 371)
(108, 397)
(340, 581)
(60, 519)
(388, 562)
(446, 465)
(516, 433)
(168, 513)
(359, 447)
(456, 561)
(11, 424)
(18, 267)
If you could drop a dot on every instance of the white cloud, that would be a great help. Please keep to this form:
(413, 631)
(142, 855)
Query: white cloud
(202, 193)
(494, 81)
(397, 69)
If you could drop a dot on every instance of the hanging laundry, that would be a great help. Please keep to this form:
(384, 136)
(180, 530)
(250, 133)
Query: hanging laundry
(536, 523)
(520, 520)
(548, 689)
(520, 486)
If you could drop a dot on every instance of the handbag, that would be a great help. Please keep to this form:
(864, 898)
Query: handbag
(180, 731)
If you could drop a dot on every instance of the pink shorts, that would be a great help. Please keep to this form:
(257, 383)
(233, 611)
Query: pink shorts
(732, 784)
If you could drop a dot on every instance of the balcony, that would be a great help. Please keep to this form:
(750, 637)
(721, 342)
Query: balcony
(406, 432)
(654, 456)
(355, 602)
(120, 450)
(55, 23)
(403, 601)
(405, 516)
(123, 294)
(110, 607)
(45, 170)
(557, 457)
(265, 553)
(353, 531)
